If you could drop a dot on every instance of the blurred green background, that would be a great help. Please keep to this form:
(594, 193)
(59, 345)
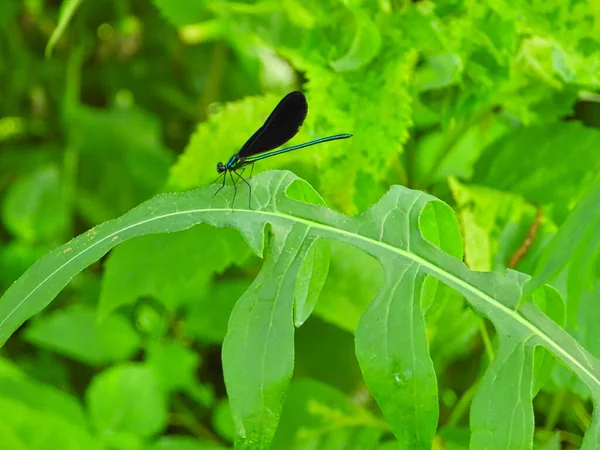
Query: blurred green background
(103, 104)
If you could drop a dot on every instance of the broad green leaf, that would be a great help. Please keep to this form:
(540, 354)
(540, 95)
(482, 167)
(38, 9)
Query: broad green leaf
(395, 359)
(37, 396)
(438, 71)
(222, 421)
(508, 382)
(34, 415)
(176, 367)
(77, 333)
(555, 162)
(258, 352)
(206, 318)
(588, 332)
(67, 11)
(182, 12)
(403, 383)
(576, 243)
(355, 102)
(495, 224)
(28, 428)
(46, 367)
(365, 46)
(422, 25)
(318, 416)
(455, 148)
(35, 207)
(174, 364)
(122, 159)
(153, 266)
(127, 400)
(314, 268)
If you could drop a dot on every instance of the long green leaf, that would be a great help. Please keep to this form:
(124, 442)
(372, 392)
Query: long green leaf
(258, 352)
(67, 11)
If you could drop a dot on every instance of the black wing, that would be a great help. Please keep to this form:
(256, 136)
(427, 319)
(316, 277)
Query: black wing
(281, 125)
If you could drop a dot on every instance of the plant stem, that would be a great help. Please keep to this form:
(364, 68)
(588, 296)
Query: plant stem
(462, 406)
(528, 241)
(183, 416)
(555, 409)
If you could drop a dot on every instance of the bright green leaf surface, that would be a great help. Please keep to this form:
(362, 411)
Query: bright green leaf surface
(588, 332)
(122, 159)
(365, 46)
(77, 333)
(176, 367)
(182, 12)
(153, 266)
(502, 95)
(128, 400)
(35, 208)
(577, 243)
(318, 416)
(207, 317)
(395, 359)
(33, 415)
(543, 174)
(258, 351)
(223, 422)
(495, 224)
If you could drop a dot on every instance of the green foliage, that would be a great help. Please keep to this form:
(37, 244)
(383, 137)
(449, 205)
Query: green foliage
(134, 271)
(425, 316)
(76, 333)
(126, 403)
(258, 350)
(323, 417)
(544, 175)
(35, 207)
(33, 412)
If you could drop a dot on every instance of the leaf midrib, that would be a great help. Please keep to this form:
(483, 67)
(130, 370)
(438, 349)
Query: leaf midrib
(423, 262)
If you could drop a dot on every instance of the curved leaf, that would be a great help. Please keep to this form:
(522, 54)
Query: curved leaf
(67, 11)
(258, 351)
(365, 46)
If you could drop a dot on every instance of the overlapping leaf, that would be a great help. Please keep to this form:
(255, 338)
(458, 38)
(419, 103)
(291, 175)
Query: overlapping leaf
(258, 350)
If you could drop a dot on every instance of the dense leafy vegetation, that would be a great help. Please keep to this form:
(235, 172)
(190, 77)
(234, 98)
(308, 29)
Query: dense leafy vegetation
(430, 283)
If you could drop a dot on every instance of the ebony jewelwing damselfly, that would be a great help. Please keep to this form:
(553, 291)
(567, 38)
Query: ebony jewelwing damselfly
(281, 125)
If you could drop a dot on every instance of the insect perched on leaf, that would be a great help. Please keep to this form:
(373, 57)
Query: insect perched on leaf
(281, 126)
